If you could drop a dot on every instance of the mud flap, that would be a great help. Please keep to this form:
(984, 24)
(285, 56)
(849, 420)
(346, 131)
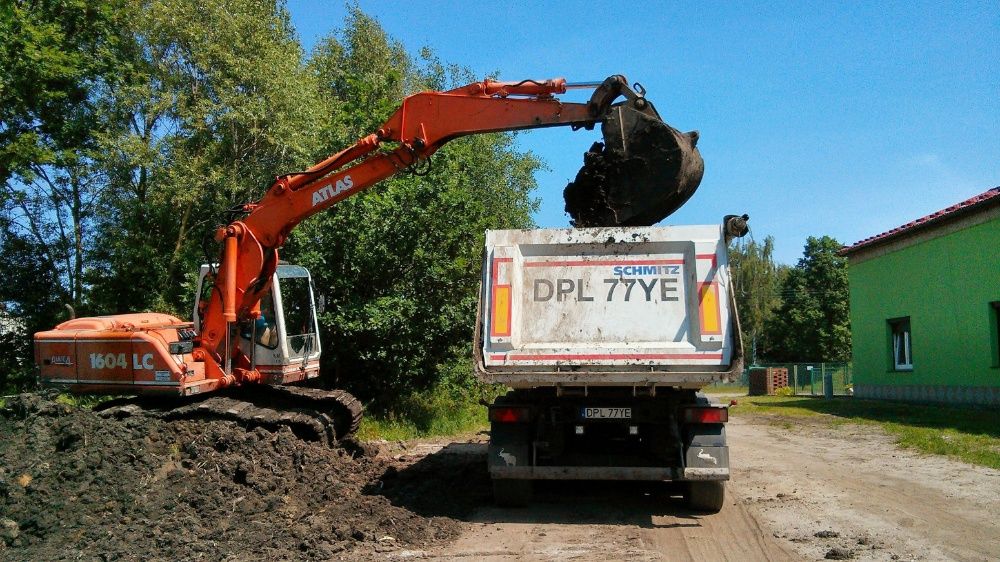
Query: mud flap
(510, 446)
(706, 455)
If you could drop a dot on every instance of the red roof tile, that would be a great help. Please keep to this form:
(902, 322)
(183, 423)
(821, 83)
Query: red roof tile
(989, 197)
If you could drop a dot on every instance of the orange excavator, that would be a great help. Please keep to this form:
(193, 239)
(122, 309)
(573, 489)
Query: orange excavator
(254, 325)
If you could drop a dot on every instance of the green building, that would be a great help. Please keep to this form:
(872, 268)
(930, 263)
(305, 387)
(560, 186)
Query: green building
(925, 307)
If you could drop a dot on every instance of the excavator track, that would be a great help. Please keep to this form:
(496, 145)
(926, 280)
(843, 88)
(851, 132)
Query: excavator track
(313, 414)
(342, 406)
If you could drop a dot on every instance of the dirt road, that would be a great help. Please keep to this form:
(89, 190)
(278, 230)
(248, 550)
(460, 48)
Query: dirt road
(811, 493)
(596, 521)
(882, 502)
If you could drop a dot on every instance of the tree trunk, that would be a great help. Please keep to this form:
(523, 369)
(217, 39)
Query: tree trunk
(178, 246)
(77, 211)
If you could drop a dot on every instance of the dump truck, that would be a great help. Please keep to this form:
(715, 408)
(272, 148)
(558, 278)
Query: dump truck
(605, 336)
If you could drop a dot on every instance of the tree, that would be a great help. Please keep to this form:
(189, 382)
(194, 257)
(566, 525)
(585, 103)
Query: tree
(399, 265)
(131, 128)
(54, 57)
(756, 282)
(27, 305)
(216, 102)
(54, 60)
(813, 322)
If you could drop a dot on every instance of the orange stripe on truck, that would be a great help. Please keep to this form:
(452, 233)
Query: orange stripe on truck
(708, 309)
(500, 301)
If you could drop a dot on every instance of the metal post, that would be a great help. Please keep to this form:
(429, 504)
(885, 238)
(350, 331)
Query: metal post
(827, 382)
(795, 379)
(253, 345)
(812, 381)
(229, 351)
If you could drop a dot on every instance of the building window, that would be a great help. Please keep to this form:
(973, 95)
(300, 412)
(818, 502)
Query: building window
(902, 344)
(995, 333)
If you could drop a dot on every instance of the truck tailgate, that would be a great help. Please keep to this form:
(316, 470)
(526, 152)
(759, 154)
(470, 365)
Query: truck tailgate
(607, 306)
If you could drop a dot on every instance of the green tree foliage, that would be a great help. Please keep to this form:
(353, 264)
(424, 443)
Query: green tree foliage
(216, 101)
(128, 129)
(27, 304)
(757, 283)
(812, 323)
(54, 57)
(399, 264)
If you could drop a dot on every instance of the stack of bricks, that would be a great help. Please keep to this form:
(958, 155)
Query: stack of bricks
(765, 380)
(778, 378)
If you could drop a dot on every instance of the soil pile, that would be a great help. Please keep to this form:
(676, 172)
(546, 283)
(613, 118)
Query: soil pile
(644, 172)
(77, 485)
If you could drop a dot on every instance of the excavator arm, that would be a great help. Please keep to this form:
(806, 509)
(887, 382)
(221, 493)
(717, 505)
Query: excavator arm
(422, 124)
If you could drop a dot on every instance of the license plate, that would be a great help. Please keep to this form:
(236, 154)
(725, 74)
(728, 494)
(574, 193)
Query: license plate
(606, 413)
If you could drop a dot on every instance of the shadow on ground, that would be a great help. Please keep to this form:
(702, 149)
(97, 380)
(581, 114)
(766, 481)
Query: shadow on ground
(965, 419)
(454, 482)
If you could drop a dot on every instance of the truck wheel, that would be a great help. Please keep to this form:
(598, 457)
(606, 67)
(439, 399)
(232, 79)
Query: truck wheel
(706, 496)
(509, 492)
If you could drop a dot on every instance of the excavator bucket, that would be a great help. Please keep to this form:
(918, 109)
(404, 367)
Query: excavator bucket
(642, 172)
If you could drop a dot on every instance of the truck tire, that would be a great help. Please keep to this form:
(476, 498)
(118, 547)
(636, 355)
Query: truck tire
(707, 496)
(509, 492)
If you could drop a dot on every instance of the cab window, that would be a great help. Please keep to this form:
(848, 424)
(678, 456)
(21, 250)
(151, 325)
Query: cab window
(266, 326)
(300, 326)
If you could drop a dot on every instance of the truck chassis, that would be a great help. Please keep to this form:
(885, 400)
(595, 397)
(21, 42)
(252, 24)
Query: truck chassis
(608, 433)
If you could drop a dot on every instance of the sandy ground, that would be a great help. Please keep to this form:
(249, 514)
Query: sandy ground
(884, 503)
(809, 493)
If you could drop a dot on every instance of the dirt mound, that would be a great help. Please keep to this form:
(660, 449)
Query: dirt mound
(75, 484)
(646, 171)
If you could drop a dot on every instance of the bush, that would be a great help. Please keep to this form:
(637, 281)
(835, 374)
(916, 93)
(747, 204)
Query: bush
(435, 412)
(784, 391)
(452, 406)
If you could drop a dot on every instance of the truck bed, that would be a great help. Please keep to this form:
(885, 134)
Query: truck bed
(644, 307)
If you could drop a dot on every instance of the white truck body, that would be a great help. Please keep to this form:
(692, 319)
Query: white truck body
(641, 307)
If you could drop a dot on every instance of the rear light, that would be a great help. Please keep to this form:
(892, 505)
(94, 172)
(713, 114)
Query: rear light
(706, 415)
(509, 414)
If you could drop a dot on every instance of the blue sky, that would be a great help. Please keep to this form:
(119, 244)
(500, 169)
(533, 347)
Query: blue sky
(845, 119)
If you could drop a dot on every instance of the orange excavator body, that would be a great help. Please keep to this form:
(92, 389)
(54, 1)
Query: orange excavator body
(125, 353)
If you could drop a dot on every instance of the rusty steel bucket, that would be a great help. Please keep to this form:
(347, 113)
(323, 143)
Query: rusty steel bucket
(642, 172)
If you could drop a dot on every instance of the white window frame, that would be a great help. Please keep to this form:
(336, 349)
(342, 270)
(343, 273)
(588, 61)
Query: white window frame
(902, 338)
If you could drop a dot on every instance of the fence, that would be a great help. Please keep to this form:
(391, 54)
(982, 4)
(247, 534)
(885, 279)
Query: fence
(805, 378)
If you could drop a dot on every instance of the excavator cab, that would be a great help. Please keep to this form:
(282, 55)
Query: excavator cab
(284, 342)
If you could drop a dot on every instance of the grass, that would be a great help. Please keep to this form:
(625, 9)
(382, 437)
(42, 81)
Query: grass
(726, 389)
(969, 434)
(425, 415)
(430, 414)
(85, 401)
